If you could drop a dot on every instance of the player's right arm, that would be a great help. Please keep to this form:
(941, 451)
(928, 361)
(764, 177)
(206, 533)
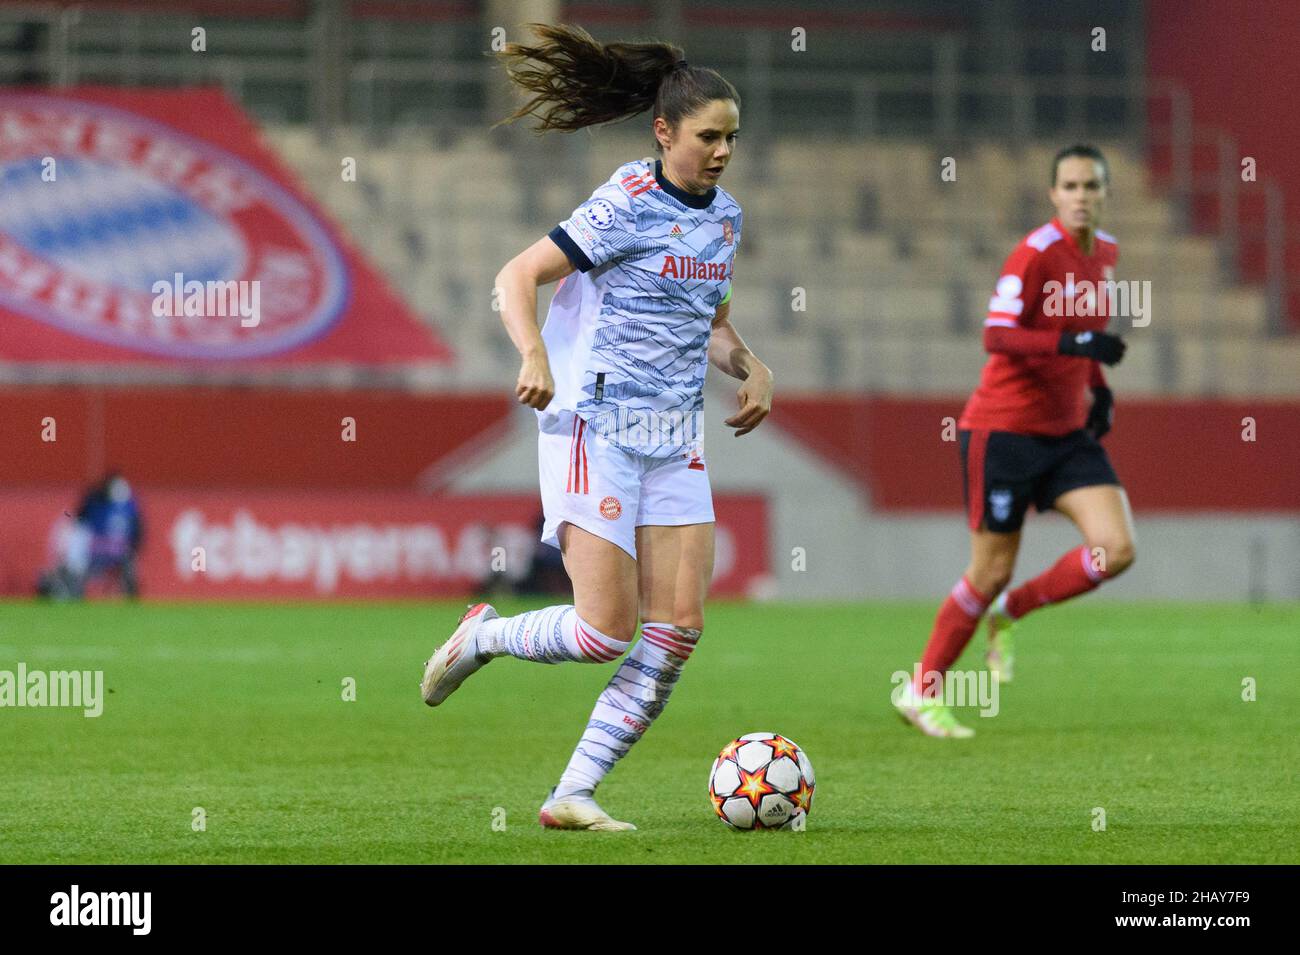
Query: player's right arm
(599, 232)
(540, 264)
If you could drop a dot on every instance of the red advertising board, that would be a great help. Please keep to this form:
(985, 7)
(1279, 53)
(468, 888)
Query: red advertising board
(336, 544)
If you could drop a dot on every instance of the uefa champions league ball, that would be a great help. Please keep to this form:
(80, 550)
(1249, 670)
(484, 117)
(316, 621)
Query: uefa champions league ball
(762, 781)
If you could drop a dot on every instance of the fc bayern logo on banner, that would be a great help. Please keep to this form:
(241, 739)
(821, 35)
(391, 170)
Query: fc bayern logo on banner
(121, 229)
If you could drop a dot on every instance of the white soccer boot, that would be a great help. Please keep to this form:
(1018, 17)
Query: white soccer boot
(578, 812)
(457, 659)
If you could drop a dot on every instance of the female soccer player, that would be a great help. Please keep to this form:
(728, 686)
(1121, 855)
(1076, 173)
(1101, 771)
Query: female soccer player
(617, 379)
(1027, 435)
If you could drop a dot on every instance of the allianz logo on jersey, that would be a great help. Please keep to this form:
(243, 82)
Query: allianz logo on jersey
(684, 267)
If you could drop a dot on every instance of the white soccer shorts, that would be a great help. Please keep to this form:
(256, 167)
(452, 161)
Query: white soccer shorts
(610, 492)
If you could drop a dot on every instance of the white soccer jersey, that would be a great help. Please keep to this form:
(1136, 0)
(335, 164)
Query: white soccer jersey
(628, 333)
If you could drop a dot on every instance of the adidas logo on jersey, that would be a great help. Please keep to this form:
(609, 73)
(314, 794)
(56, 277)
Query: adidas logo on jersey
(677, 230)
(682, 267)
(641, 182)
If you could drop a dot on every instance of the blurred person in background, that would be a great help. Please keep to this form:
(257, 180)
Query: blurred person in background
(101, 542)
(1030, 435)
(544, 575)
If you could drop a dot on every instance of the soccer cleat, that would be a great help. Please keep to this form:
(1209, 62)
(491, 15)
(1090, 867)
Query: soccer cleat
(1001, 656)
(931, 717)
(457, 659)
(578, 812)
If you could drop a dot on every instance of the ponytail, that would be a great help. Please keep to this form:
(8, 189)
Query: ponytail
(578, 82)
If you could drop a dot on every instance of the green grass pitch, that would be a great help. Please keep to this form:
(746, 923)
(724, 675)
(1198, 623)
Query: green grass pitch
(238, 709)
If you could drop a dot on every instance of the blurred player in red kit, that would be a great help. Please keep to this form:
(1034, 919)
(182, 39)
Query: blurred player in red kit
(1029, 435)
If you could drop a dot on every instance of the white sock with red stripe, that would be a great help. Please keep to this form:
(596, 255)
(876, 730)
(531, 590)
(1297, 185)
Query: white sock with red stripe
(635, 695)
(550, 635)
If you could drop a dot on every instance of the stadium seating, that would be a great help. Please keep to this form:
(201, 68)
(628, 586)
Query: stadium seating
(896, 264)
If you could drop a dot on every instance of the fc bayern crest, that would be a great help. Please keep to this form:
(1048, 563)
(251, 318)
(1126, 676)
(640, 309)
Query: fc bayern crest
(123, 230)
(728, 233)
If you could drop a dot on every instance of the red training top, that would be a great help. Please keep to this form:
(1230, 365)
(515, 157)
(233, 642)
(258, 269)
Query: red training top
(1047, 286)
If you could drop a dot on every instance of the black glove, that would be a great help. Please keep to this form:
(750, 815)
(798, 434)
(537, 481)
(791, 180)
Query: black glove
(1102, 415)
(1102, 346)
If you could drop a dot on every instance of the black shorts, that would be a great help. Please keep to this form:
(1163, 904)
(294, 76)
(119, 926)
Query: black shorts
(1002, 472)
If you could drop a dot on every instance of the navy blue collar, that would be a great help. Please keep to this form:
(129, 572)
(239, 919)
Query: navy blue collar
(681, 195)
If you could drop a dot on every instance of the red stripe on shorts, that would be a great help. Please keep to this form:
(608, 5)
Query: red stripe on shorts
(568, 487)
(586, 487)
(975, 449)
(578, 452)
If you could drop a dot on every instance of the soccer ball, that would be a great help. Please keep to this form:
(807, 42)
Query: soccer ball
(762, 781)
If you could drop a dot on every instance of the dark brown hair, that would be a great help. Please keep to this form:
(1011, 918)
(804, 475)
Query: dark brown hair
(1084, 152)
(578, 82)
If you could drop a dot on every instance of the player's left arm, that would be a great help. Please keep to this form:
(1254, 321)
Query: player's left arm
(729, 353)
(1101, 416)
